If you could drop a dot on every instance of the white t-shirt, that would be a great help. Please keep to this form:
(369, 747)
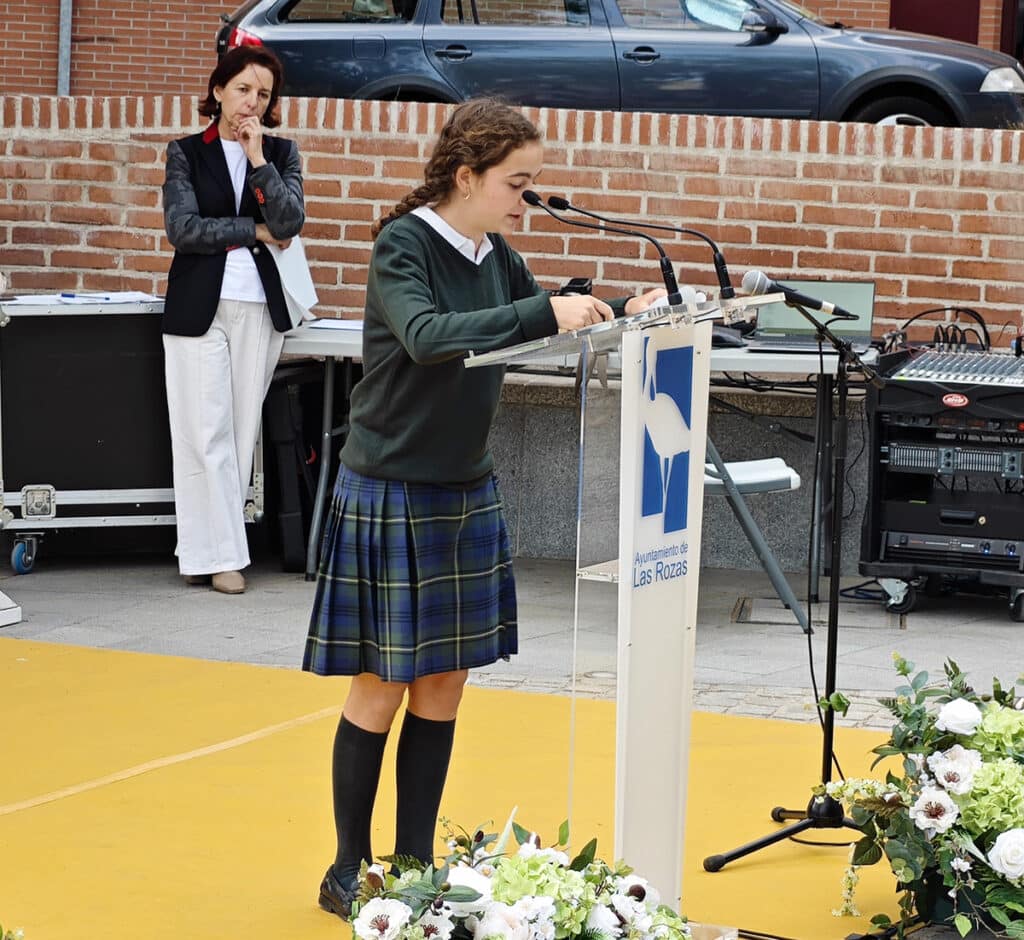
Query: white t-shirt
(241, 279)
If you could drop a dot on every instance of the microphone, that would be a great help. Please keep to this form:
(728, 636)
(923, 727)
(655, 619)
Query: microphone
(725, 288)
(757, 282)
(667, 274)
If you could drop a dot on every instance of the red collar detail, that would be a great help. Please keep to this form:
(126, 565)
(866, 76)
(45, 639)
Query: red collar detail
(210, 134)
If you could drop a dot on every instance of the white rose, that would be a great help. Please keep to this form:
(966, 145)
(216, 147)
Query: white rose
(381, 919)
(603, 920)
(465, 877)
(959, 716)
(934, 811)
(499, 921)
(1007, 854)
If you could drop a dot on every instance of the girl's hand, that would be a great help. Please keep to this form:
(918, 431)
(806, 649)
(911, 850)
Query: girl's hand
(640, 303)
(250, 135)
(574, 313)
(263, 235)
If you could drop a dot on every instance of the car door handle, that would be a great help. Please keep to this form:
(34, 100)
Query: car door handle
(453, 53)
(642, 54)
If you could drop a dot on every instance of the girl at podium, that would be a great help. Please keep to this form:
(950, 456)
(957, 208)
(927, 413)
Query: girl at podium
(415, 582)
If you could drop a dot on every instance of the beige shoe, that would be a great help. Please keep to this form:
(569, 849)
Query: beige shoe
(194, 579)
(229, 582)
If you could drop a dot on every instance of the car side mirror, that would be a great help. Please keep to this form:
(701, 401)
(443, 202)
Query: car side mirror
(762, 21)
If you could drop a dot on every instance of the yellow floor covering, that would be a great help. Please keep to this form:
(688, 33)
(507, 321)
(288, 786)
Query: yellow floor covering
(151, 797)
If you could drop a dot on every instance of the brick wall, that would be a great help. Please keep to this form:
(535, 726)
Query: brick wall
(132, 47)
(118, 47)
(934, 215)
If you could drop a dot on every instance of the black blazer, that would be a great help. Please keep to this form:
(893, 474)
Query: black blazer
(202, 224)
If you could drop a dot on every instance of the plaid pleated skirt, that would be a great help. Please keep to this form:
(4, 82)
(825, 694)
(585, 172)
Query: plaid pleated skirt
(414, 579)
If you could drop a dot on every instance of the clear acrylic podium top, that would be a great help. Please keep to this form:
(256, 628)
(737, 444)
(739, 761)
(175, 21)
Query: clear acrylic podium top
(607, 336)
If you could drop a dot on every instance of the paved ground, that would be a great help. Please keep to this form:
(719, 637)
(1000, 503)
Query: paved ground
(742, 667)
(748, 668)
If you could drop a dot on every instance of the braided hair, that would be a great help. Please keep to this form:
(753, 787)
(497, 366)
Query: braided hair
(480, 133)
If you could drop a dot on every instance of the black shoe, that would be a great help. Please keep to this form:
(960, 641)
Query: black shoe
(335, 897)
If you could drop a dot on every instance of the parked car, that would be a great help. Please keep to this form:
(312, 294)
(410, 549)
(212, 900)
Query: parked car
(766, 58)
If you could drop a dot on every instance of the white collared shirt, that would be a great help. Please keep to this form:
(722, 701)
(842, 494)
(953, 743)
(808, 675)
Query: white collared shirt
(464, 245)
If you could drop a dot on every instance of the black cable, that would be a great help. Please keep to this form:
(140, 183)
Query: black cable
(977, 317)
(824, 845)
(776, 427)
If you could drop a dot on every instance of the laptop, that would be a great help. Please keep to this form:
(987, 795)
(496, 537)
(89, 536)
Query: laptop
(781, 328)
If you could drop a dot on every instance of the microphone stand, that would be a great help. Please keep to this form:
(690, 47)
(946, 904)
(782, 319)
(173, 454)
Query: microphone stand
(822, 812)
(725, 288)
(667, 274)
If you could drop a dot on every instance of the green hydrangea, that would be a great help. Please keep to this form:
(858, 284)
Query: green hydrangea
(519, 877)
(996, 799)
(1001, 732)
(666, 924)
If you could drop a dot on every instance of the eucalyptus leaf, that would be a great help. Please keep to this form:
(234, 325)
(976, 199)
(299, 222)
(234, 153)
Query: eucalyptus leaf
(563, 833)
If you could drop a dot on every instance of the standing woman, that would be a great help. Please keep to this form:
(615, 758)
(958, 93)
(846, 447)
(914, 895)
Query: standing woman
(229, 193)
(415, 584)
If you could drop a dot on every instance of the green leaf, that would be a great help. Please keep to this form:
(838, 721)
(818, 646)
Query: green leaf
(460, 893)
(866, 852)
(522, 835)
(880, 920)
(585, 857)
(563, 833)
(963, 924)
(919, 681)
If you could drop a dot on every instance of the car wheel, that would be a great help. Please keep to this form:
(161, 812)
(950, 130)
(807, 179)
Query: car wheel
(901, 110)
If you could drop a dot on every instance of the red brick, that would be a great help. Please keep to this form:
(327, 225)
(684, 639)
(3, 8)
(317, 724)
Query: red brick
(92, 172)
(81, 259)
(44, 235)
(121, 240)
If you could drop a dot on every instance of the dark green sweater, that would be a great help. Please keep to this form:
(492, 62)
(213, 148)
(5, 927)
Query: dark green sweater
(418, 414)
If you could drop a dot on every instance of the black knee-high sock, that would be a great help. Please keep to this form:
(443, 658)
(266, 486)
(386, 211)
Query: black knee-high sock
(424, 750)
(356, 772)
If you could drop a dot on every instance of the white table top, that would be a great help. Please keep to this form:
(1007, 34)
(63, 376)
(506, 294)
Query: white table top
(341, 343)
(311, 340)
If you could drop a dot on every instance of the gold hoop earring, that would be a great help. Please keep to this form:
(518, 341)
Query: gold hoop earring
(466, 196)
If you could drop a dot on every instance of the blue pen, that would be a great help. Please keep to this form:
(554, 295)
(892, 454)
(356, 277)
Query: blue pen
(71, 293)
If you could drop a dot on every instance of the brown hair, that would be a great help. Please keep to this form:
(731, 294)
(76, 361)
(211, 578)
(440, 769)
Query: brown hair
(237, 60)
(480, 133)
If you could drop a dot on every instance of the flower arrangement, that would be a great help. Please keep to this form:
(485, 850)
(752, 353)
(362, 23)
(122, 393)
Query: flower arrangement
(951, 821)
(11, 934)
(534, 893)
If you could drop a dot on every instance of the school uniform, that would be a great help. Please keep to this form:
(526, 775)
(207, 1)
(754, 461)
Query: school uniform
(224, 321)
(415, 575)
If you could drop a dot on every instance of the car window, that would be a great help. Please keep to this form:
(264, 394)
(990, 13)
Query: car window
(652, 14)
(350, 11)
(517, 12)
(716, 14)
(684, 14)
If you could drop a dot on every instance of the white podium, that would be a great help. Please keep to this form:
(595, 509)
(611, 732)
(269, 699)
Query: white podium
(666, 356)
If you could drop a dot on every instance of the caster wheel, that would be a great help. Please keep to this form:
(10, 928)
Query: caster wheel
(905, 605)
(1017, 609)
(778, 814)
(21, 561)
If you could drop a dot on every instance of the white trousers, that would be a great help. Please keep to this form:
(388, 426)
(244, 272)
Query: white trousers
(216, 384)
